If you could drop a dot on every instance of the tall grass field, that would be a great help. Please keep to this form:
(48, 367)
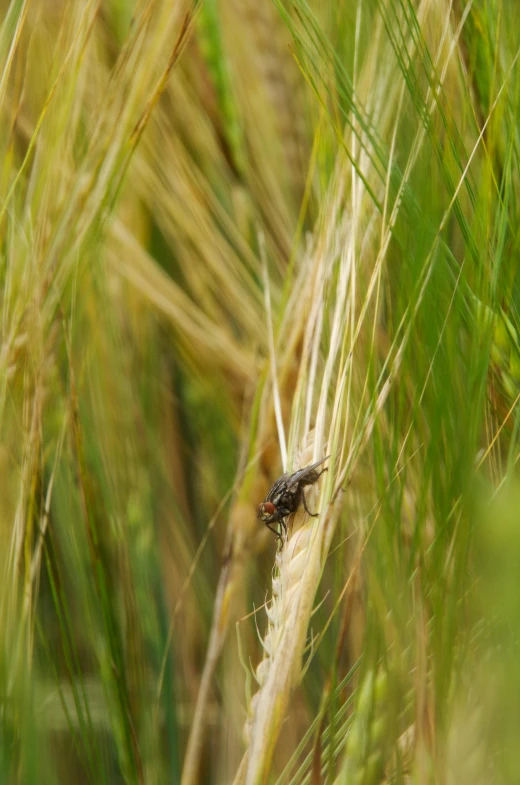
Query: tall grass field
(238, 237)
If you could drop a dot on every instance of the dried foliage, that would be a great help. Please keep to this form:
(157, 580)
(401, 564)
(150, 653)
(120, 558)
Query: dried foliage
(237, 237)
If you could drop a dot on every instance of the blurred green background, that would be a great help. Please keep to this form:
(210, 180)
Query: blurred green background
(186, 189)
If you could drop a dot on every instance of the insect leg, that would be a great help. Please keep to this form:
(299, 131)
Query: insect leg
(273, 530)
(312, 514)
(320, 473)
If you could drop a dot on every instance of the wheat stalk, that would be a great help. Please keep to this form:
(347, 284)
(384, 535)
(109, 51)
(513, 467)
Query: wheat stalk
(348, 233)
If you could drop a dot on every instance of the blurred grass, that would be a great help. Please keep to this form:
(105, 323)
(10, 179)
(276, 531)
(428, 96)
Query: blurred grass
(162, 168)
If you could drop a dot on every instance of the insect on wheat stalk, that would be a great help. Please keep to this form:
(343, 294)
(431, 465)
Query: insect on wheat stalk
(286, 495)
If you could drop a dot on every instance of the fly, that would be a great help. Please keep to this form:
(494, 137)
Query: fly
(286, 495)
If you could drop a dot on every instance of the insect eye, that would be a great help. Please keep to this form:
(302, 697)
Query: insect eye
(269, 508)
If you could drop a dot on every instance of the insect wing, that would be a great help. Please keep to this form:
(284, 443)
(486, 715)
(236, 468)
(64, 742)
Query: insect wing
(304, 476)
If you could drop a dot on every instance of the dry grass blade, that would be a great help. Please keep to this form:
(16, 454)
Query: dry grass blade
(189, 305)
